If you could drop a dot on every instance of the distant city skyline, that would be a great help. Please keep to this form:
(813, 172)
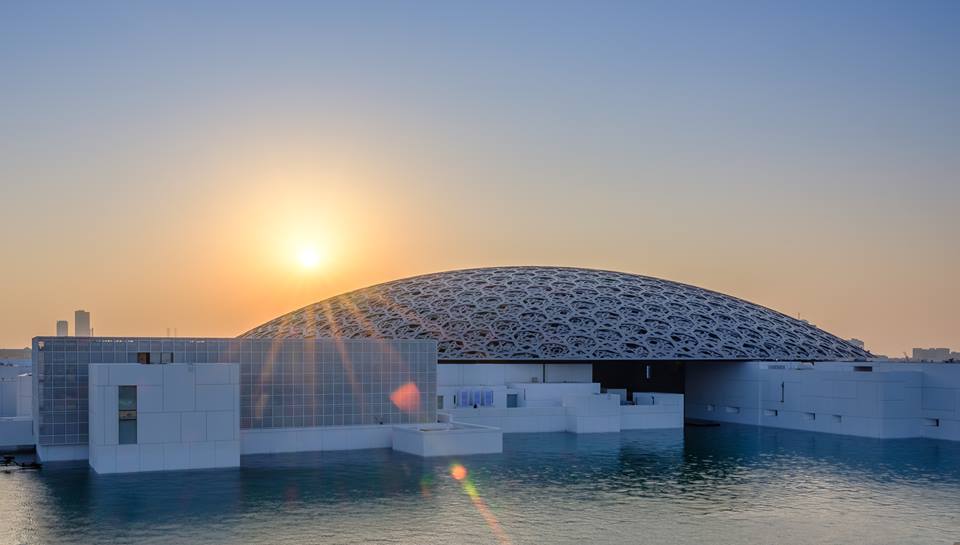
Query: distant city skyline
(211, 166)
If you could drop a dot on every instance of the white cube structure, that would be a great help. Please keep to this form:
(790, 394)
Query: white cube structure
(185, 416)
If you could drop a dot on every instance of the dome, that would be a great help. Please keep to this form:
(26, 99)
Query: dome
(557, 313)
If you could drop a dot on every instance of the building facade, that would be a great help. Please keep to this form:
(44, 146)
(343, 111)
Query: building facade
(285, 386)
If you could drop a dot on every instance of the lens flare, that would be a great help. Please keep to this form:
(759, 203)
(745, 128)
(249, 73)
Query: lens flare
(406, 398)
(459, 472)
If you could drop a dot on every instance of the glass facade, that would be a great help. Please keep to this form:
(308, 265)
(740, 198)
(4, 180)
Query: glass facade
(283, 384)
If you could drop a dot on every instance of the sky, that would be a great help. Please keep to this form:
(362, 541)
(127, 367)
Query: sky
(165, 164)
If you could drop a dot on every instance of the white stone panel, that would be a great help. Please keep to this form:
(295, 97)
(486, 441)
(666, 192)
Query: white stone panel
(158, 428)
(226, 453)
(202, 455)
(151, 458)
(128, 458)
(179, 388)
(176, 456)
(132, 374)
(220, 425)
(193, 427)
(216, 397)
(213, 374)
(150, 399)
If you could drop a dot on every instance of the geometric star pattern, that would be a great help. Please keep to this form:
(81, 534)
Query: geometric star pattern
(560, 313)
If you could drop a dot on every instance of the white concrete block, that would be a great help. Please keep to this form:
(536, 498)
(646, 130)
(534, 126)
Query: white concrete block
(131, 374)
(176, 456)
(227, 453)
(179, 392)
(99, 375)
(151, 458)
(447, 439)
(111, 417)
(202, 455)
(149, 399)
(220, 425)
(216, 397)
(158, 428)
(213, 374)
(193, 427)
(128, 458)
(104, 458)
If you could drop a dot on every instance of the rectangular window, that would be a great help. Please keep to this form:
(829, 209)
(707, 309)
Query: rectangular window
(127, 411)
(143, 357)
(512, 401)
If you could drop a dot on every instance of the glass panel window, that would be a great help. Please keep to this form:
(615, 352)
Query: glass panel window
(127, 411)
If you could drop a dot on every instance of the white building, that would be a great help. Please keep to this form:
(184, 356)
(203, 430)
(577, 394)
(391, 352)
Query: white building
(444, 364)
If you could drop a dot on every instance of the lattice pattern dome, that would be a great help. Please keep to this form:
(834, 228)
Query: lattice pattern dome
(555, 313)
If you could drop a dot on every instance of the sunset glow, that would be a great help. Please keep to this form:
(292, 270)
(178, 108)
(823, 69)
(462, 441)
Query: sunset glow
(309, 257)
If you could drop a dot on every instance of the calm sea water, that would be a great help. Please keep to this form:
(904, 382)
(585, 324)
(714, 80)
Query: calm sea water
(727, 484)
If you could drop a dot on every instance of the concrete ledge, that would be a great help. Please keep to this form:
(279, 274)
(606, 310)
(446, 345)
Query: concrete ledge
(452, 439)
(276, 440)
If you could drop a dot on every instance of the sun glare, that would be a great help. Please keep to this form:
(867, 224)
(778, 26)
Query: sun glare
(309, 257)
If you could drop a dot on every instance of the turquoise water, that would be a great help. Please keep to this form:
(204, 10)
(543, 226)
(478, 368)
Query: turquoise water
(727, 484)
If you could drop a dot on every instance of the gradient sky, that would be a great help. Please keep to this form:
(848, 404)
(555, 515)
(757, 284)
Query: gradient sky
(162, 162)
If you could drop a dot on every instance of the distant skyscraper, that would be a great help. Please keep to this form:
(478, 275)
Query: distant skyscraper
(62, 328)
(931, 354)
(81, 323)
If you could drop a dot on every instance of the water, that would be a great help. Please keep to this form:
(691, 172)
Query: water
(727, 484)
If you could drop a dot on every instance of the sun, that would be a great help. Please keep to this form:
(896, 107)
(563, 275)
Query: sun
(309, 257)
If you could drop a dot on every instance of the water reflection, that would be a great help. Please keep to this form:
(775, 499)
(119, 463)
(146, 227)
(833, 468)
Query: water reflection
(728, 484)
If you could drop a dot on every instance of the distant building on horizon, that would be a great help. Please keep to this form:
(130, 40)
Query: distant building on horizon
(63, 328)
(81, 323)
(931, 354)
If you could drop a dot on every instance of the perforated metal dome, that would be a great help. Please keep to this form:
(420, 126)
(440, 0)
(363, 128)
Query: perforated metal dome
(556, 313)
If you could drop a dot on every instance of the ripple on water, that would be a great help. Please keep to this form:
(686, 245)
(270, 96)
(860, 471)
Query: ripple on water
(727, 484)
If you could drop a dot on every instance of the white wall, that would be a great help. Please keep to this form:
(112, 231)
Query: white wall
(578, 412)
(504, 378)
(274, 440)
(8, 396)
(892, 400)
(551, 394)
(654, 410)
(16, 431)
(188, 417)
(25, 395)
